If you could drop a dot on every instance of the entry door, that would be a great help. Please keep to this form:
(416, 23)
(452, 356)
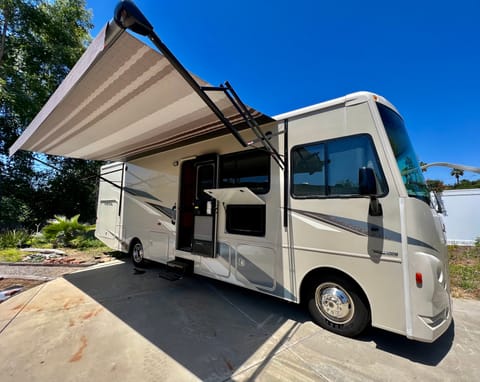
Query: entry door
(196, 231)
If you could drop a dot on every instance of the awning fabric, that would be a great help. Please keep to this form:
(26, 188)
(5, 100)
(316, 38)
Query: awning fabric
(123, 100)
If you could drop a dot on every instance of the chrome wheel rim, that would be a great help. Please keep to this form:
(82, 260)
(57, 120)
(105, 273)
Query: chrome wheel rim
(334, 303)
(137, 253)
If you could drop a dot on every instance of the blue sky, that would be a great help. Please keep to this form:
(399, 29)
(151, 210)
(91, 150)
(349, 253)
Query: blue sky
(423, 56)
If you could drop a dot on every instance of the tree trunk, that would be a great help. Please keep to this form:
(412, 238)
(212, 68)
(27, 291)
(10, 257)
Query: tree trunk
(6, 15)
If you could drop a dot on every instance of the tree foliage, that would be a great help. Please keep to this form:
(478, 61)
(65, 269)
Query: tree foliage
(435, 185)
(40, 41)
(464, 184)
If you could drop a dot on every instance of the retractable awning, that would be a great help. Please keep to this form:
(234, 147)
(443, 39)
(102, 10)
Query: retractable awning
(123, 100)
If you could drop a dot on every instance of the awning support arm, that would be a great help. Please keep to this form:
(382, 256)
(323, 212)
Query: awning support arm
(230, 93)
(86, 178)
(195, 86)
(252, 123)
(128, 16)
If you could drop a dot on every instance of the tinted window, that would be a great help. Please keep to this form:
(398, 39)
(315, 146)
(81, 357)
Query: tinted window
(246, 169)
(330, 168)
(246, 220)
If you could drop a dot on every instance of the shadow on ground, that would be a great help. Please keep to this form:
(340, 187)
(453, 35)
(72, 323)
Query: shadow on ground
(210, 327)
(213, 328)
(430, 354)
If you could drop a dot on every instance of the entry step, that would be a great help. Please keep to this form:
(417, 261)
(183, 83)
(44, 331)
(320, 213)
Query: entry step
(176, 269)
(180, 264)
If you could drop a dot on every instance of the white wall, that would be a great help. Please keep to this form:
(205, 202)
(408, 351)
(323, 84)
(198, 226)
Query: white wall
(462, 219)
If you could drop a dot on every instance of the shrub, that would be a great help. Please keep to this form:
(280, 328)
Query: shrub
(38, 240)
(86, 242)
(63, 231)
(11, 255)
(14, 239)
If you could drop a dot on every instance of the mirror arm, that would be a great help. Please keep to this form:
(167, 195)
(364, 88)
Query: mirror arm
(375, 208)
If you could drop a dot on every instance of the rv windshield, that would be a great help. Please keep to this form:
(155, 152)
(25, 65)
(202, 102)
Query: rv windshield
(406, 159)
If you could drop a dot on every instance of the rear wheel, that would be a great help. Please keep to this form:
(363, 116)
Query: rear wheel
(336, 304)
(136, 252)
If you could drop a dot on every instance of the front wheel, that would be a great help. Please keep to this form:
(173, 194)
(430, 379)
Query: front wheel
(136, 252)
(336, 304)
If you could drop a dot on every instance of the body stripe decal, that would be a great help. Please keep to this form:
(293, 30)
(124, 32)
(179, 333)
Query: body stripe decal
(362, 228)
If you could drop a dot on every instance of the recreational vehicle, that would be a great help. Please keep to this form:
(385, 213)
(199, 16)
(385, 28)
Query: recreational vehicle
(325, 205)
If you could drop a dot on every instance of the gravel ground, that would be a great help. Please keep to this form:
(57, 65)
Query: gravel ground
(35, 272)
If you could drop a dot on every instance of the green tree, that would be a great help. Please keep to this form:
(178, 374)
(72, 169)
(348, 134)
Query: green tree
(40, 40)
(457, 173)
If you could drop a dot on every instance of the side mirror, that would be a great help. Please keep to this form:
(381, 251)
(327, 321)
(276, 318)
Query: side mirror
(128, 16)
(367, 182)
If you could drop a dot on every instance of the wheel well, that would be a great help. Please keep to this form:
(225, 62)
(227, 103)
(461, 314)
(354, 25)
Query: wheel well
(320, 273)
(132, 243)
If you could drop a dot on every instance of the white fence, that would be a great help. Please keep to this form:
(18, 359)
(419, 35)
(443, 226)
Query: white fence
(462, 217)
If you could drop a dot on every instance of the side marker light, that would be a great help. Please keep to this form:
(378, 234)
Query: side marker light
(419, 279)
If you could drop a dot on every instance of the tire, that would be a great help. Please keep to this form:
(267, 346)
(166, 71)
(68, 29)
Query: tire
(136, 252)
(336, 304)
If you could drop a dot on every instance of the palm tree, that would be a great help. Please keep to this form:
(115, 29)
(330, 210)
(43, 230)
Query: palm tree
(422, 164)
(457, 173)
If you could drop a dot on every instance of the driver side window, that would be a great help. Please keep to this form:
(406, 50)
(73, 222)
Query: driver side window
(330, 168)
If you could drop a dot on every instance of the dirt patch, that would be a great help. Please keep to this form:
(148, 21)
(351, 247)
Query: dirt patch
(464, 265)
(69, 256)
(26, 284)
(90, 256)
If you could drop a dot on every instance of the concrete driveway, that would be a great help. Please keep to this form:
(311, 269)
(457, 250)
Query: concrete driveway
(109, 324)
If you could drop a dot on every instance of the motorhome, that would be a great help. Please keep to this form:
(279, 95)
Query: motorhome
(324, 205)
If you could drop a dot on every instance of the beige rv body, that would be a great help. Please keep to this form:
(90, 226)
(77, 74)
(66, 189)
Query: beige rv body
(382, 254)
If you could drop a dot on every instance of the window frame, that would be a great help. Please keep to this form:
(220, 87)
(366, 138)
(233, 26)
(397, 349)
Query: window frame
(336, 196)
